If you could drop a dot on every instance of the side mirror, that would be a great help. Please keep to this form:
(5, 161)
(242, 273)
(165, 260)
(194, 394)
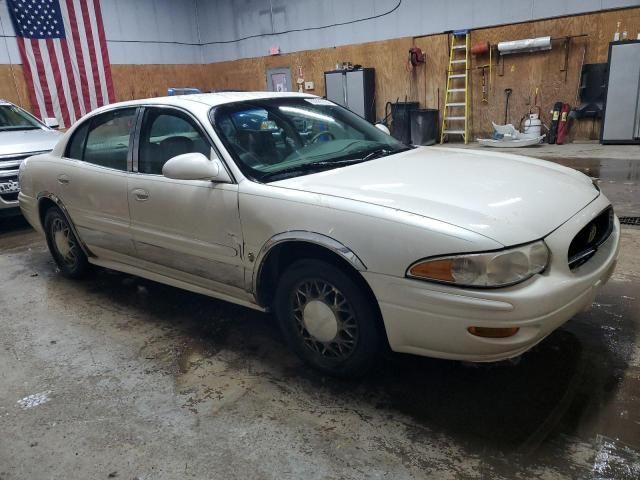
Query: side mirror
(195, 166)
(382, 127)
(51, 122)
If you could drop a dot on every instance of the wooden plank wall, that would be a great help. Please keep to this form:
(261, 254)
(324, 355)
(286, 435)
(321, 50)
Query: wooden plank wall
(13, 86)
(143, 81)
(394, 80)
(522, 72)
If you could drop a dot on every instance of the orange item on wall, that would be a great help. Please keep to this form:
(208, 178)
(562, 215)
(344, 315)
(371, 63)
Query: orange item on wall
(480, 48)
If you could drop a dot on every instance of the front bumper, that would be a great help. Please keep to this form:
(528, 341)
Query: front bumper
(430, 319)
(29, 209)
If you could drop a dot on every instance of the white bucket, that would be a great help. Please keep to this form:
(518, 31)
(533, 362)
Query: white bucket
(533, 125)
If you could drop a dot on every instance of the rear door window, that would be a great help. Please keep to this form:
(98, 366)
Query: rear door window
(104, 139)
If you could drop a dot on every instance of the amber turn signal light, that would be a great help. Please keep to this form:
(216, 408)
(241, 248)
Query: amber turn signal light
(435, 270)
(493, 332)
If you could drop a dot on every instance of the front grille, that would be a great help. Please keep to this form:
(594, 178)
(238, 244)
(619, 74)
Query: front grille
(585, 244)
(9, 166)
(10, 197)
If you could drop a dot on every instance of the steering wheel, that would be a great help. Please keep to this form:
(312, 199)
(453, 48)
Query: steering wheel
(319, 135)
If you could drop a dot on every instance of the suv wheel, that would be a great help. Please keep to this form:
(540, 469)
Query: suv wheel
(327, 318)
(63, 245)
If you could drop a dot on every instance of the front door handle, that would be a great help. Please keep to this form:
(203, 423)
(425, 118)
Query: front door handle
(63, 179)
(141, 195)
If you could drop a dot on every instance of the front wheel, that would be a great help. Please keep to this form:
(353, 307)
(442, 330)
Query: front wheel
(63, 245)
(327, 318)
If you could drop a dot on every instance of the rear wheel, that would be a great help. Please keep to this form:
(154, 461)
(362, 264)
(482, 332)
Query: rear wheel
(327, 318)
(63, 245)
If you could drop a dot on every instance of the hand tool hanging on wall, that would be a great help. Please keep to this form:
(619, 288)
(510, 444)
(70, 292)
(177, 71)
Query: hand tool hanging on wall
(555, 119)
(485, 94)
(507, 94)
(482, 48)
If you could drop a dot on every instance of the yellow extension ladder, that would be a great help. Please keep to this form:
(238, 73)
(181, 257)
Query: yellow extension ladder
(456, 110)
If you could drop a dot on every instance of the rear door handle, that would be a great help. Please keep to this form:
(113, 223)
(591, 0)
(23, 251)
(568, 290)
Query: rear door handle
(63, 179)
(141, 195)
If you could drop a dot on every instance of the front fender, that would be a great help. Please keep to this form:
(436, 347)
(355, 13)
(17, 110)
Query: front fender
(309, 237)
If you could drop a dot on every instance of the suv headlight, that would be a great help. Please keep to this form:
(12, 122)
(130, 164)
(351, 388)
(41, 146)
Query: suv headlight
(491, 269)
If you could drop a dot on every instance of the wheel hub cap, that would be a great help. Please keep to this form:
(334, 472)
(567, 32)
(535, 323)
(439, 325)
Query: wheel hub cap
(325, 319)
(62, 243)
(320, 321)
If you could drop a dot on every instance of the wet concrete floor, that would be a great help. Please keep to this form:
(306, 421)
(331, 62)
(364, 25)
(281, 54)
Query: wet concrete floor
(119, 377)
(618, 179)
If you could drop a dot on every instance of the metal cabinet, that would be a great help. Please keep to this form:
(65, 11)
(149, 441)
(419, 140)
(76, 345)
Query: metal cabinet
(354, 89)
(621, 123)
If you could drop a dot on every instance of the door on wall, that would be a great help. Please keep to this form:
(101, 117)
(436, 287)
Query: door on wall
(279, 80)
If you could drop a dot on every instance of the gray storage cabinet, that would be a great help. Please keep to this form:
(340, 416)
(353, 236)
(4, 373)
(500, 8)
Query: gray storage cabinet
(621, 123)
(354, 89)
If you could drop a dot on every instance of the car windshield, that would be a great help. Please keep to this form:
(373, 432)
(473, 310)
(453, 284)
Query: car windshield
(281, 138)
(14, 118)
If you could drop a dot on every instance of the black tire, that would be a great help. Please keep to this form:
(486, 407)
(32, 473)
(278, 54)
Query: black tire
(72, 263)
(353, 349)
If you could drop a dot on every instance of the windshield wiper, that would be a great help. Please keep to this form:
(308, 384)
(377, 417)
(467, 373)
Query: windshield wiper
(383, 152)
(327, 164)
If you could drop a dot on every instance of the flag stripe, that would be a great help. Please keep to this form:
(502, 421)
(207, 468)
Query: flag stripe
(84, 49)
(69, 49)
(64, 54)
(42, 76)
(51, 85)
(74, 79)
(95, 37)
(60, 83)
(104, 51)
(33, 53)
(89, 36)
(26, 65)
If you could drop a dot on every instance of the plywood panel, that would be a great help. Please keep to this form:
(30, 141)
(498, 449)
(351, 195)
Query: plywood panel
(523, 73)
(13, 86)
(143, 81)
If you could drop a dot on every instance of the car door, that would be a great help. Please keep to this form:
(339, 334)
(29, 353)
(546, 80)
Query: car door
(92, 181)
(191, 227)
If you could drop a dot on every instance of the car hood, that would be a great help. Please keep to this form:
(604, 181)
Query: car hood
(508, 198)
(17, 142)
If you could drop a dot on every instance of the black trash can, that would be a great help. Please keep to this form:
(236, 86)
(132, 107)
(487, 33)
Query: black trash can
(400, 121)
(424, 126)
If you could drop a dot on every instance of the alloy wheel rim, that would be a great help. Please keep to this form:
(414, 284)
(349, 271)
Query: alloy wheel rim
(64, 241)
(325, 319)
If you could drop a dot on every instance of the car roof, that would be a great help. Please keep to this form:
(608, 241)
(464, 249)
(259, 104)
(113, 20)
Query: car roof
(5, 102)
(208, 99)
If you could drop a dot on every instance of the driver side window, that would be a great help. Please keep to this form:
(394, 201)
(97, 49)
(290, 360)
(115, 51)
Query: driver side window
(166, 134)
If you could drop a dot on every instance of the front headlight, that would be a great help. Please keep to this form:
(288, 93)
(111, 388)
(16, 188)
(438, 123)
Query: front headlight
(491, 269)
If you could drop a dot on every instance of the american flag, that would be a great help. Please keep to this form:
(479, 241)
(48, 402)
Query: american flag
(64, 56)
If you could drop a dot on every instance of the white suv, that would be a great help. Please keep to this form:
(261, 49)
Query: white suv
(21, 135)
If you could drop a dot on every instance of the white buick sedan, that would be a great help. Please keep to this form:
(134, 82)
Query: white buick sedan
(290, 203)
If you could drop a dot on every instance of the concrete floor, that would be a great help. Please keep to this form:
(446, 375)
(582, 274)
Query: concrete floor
(118, 377)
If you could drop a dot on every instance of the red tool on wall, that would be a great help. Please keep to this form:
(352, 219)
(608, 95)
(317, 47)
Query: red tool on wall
(563, 124)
